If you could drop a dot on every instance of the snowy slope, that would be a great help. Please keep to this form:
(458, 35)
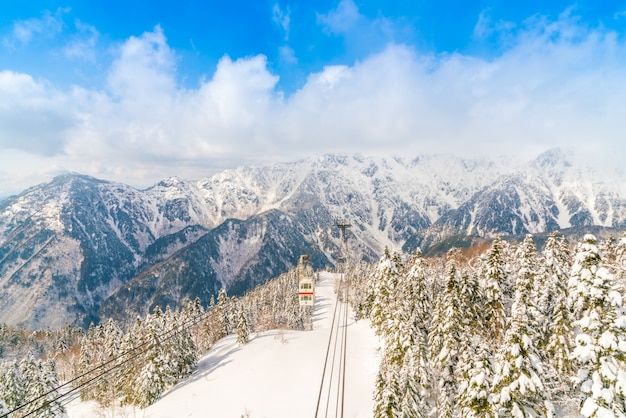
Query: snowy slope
(277, 374)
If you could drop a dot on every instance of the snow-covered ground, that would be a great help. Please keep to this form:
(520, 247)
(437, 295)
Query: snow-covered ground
(277, 374)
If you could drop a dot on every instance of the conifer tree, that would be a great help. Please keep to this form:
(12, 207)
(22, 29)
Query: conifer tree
(415, 289)
(33, 385)
(42, 383)
(444, 340)
(185, 348)
(556, 310)
(518, 387)
(399, 388)
(620, 267)
(382, 290)
(529, 270)
(106, 390)
(223, 309)
(476, 374)
(470, 306)
(386, 390)
(153, 376)
(13, 391)
(243, 332)
(620, 253)
(416, 373)
(414, 383)
(494, 283)
(601, 338)
(86, 361)
(130, 342)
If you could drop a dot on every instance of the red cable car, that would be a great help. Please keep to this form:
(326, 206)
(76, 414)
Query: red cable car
(306, 282)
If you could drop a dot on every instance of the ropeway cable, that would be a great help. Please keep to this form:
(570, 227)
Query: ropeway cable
(330, 337)
(178, 328)
(332, 363)
(345, 350)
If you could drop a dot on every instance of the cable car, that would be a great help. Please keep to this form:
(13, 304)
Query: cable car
(306, 282)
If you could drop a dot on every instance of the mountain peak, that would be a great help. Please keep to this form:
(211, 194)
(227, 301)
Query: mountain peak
(554, 157)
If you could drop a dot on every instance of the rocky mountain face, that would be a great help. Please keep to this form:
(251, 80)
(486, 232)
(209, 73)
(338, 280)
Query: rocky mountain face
(78, 249)
(548, 194)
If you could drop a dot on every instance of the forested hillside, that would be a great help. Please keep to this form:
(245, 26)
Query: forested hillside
(134, 366)
(511, 332)
(502, 329)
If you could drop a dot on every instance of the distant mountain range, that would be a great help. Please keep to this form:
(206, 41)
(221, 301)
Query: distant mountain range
(79, 249)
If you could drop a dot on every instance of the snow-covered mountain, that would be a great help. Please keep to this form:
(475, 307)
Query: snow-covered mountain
(550, 193)
(77, 248)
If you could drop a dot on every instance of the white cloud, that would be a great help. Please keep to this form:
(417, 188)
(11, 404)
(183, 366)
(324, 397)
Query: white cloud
(342, 19)
(282, 18)
(559, 84)
(83, 45)
(48, 25)
(287, 55)
(485, 27)
(33, 116)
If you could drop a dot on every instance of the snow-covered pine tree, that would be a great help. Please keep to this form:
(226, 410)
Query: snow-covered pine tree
(402, 381)
(444, 339)
(153, 377)
(243, 332)
(530, 273)
(106, 389)
(224, 311)
(33, 383)
(194, 312)
(475, 369)
(601, 337)
(172, 344)
(186, 348)
(404, 357)
(415, 288)
(518, 388)
(414, 383)
(130, 342)
(386, 391)
(46, 391)
(382, 290)
(618, 266)
(39, 380)
(471, 302)
(555, 306)
(86, 362)
(213, 327)
(476, 373)
(12, 385)
(358, 275)
(620, 262)
(417, 305)
(493, 286)
(620, 252)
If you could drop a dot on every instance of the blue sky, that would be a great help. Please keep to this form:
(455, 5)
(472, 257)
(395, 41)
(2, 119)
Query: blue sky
(135, 91)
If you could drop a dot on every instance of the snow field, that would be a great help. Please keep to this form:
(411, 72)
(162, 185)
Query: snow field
(277, 374)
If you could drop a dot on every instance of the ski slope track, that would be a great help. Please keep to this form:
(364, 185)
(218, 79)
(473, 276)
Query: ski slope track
(276, 375)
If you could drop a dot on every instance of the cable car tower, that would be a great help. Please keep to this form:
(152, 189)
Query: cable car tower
(343, 224)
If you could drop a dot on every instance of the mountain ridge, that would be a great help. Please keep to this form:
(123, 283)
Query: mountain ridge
(68, 246)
